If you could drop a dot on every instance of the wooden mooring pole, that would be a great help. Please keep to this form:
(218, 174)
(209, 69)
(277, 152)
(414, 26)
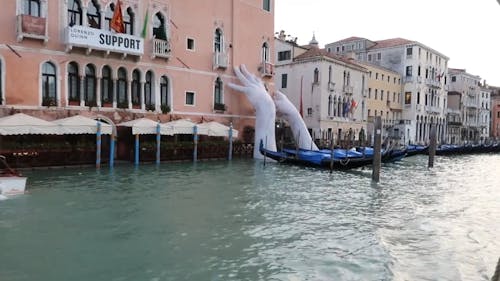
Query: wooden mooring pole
(377, 156)
(432, 145)
(496, 275)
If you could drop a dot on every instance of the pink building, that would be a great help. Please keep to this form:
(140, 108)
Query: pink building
(60, 58)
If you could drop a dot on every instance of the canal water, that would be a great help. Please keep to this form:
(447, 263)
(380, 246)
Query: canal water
(242, 220)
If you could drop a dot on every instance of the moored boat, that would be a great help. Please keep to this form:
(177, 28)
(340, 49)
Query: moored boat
(11, 181)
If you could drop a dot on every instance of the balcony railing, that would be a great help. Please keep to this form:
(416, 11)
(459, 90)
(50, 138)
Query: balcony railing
(161, 48)
(433, 109)
(408, 79)
(31, 27)
(219, 107)
(348, 89)
(220, 60)
(266, 69)
(433, 83)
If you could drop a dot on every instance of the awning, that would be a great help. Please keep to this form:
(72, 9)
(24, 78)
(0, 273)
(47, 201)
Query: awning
(22, 124)
(145, 126)
(78, 124)
(216, 129)
(183, 126)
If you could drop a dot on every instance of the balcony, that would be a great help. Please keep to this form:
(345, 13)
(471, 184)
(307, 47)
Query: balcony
(331, 86)
(394, 105)
(433, 83)
(219, 107)
(348, 89)
(161, 49)
(433, 109)
(220, 60)
(32, 27)
(266, 69)
(408, 79)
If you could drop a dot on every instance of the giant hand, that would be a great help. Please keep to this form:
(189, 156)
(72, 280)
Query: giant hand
(265, 110)
(288, 111)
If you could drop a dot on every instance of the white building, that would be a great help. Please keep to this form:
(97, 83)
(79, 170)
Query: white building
(330, 89)
(424, 82)
(484, 113)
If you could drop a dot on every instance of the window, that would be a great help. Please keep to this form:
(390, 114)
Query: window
(90, 86)
(164, 97)
(381, 94)
(106, 85)
(265, 52)
(369, 57)
(218, 41)
(382, 77)
(418, 71)
(409, 52)
(121, 88)
(136, 87)
(128, 21)
(190, 44)
(266, 5)
(284, 80)
(408, 70)
(379, 56)
(330, 104)
(408, 98)
(159, 28)
(453, 78)
(316, 76)
(376, 76)
(369, 112)
(284, 55)
(418, 97)
(388, 79)
(189, 98)
(73, 84)
(309, 111)
(376, 93)
(218, 100)
(32, 8)
(369, 93)
(93, 15)
(74, 12)
(149, 100)
(49, 84)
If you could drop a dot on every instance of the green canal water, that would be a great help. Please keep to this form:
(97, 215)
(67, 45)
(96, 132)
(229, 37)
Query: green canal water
(242, 220)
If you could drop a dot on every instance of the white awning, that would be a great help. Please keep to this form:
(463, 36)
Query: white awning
(145, 126)
(183, 126)
(78, 124)
(22, 124)
(216, 129)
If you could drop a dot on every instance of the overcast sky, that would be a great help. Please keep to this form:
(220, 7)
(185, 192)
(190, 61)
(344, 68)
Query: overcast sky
(466, 31)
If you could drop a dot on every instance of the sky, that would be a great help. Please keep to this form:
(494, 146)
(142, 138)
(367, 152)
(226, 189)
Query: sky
(466, 31)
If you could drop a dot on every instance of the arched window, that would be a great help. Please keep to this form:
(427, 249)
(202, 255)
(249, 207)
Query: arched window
(265, 52)
(121, 88)
(218, 41)
(49, 86)
(148, 91)
(90, 86)
(136, 87)
(73, 84)
(218, 96)
(164, 96)
(330, 74)
(330, 105)
(74, 12)
(31, 7)
(128, 21)
(106, 86)
(316, 75)
(159, 28)
(108, 15)
(94, 15)
(339, 107)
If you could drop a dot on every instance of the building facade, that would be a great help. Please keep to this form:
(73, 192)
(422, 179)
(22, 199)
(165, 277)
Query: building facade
(469, 87)
(329, 90)
(495, 113)
(173, 59)
(423, 72)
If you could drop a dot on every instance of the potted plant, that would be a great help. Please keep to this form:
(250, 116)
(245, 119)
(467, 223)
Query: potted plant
(165, 108)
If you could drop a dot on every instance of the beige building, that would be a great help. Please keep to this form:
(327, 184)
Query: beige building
(384, 98)
(174, 60)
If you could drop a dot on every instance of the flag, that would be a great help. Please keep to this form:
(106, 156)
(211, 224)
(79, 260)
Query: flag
(354, 104)
(144, 32)
(117, 21)
(301, 109)
(439, 76)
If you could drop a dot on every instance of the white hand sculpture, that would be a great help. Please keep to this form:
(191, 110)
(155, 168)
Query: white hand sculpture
(288, 111)
(265, 110)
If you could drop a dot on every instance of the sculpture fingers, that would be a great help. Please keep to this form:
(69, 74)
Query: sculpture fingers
(243, 79)
(250, 76)
(236, 87)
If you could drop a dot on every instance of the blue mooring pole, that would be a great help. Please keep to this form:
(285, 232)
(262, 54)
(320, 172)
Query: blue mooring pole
(230, 154)
(136, 160)
(112, 150)
(158, 141)
(98, 146)
(195, 139)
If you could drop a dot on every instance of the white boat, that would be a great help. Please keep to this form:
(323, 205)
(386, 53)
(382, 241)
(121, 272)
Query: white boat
(11, 182)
